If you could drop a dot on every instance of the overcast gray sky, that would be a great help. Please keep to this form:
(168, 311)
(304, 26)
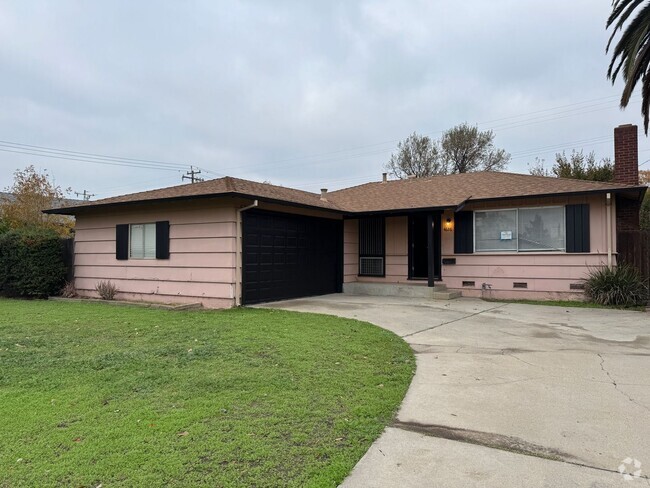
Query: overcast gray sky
(305, 94)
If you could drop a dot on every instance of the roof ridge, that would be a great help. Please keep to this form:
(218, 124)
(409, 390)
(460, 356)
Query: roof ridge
(235, 180)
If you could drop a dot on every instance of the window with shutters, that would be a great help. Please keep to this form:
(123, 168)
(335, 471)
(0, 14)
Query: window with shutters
(372, 238)
(520, 230)
(142, 241)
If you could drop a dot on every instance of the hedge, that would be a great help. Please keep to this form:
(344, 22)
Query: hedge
(31, 263)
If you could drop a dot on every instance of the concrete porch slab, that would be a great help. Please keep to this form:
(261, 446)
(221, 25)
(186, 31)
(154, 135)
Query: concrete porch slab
(438, 292)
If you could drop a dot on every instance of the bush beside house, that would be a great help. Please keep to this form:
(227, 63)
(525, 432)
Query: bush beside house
(31, 263)
(620, 286)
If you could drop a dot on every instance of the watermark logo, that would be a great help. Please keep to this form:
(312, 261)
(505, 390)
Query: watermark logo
(630, 469)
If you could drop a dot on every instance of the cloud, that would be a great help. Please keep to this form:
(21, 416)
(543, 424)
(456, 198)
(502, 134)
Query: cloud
(294, 92)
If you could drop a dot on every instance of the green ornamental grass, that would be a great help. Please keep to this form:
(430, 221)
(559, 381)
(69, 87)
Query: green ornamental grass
(96, 394)
(621, 286)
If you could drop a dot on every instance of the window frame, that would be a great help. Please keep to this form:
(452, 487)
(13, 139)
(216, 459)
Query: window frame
(517, 250)
(155, 243)
(365, 255)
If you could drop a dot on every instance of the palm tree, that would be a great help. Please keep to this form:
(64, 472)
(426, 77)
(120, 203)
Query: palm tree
(631, 55)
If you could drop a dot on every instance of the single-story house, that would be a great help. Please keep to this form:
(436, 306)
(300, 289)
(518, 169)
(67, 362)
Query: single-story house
(229, 241)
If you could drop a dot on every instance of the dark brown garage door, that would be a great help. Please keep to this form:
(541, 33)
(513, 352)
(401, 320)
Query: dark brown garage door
(290, 256)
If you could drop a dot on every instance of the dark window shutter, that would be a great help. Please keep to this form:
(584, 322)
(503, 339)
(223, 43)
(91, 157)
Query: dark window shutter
(464, 232)
(122, 241)
(577, 228)
(162, 240)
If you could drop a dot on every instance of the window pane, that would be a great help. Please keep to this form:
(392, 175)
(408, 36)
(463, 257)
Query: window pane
(495, 231)
(541, 229)
(137, 241)
(150, 241)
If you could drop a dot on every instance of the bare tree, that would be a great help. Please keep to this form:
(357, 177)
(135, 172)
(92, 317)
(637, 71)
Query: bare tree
(466, 149)
(417, 156)
(539, 169)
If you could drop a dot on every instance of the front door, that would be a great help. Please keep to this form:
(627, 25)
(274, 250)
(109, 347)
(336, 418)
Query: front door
(424, 231)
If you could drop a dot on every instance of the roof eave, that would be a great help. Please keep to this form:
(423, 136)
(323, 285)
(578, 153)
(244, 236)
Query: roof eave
(82, 208)
(639, 190)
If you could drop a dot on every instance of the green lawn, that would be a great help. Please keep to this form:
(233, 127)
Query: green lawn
(95, 394)
(565, 303)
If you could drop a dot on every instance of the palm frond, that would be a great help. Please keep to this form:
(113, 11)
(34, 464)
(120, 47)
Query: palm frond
(631, 53)
(621, 10)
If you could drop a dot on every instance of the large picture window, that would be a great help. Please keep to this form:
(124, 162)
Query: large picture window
(142, 241)
(495, 230)
(520, 230)
(541, 229)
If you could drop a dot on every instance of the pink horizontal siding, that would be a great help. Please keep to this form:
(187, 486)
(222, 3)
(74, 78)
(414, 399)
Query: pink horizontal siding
(548, 275)
(350, 250)
(197, 260)
(396, 253)
(201, 275)
(201, 265)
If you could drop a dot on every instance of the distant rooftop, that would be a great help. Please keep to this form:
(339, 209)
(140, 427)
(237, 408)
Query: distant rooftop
(66, 202)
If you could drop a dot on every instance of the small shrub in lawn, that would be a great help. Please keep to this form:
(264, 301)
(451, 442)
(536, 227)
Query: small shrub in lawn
(621, 286)
(106, 290)
(68, 290)
(31, 263)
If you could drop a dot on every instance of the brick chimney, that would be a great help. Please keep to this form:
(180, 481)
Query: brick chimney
(626, 172)
(626, 155)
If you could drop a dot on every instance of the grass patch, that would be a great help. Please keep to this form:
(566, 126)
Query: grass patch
(565, 303)
(94, 394)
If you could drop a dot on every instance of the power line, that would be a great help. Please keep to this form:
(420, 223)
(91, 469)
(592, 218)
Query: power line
(352, 148)
(69, 155)
(513, 125)
(104, 191)
(559, 146)
(109, 163)
(551, 109)
(46, 149)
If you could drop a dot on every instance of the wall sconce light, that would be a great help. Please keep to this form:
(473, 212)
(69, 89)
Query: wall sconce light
(448, 226)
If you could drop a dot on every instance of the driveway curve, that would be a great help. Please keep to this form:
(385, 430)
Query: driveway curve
(508, 394)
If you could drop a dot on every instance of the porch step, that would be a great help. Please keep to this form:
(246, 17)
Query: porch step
(446, 295)
(438, 292)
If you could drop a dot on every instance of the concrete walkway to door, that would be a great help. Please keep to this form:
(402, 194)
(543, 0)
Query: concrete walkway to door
(509, 394)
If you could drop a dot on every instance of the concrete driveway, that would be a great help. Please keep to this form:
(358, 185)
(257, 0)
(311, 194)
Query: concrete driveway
(509, 394)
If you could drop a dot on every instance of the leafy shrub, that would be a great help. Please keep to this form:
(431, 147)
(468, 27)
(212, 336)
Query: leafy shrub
(31, 263)
(106, 290)
(621, 286)
(68, 290)
(4, 226)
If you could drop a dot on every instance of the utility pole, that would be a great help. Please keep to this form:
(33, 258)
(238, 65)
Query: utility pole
(86, 196)
(192, 175)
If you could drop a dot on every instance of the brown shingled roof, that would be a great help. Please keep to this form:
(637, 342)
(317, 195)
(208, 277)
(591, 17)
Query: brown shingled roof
(452, 190)
(433, 192)
(220, 186)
